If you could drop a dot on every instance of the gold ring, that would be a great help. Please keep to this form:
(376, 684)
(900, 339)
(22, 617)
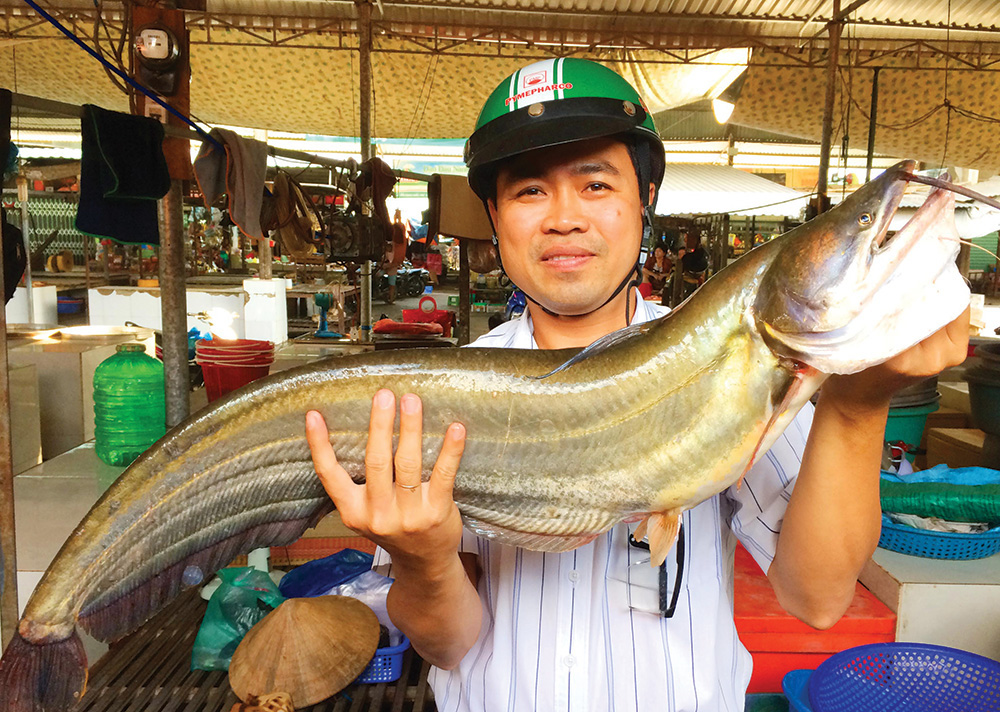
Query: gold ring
(408, 487)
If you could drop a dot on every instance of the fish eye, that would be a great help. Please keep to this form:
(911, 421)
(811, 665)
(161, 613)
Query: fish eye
(865, 219)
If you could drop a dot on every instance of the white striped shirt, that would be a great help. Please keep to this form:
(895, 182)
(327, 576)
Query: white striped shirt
(558, 633)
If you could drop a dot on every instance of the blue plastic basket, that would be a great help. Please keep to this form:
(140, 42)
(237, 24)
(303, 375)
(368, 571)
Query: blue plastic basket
(387, 665)
(905, 677)
(938, 545)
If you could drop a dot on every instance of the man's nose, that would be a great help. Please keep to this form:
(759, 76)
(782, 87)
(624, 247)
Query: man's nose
(565, 213)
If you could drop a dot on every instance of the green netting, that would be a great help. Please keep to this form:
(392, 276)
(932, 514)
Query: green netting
(954, 503)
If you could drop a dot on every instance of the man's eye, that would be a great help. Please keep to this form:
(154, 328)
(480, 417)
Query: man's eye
(597, 187)
(531, 190)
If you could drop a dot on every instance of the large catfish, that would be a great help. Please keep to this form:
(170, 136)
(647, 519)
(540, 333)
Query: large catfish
(647, 422)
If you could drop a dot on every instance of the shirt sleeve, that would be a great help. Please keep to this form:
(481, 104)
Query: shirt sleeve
(758, 506)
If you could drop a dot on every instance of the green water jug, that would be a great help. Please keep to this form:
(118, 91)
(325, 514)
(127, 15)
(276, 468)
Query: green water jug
(129, 405)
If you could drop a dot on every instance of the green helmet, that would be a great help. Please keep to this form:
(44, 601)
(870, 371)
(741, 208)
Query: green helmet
(558, 101)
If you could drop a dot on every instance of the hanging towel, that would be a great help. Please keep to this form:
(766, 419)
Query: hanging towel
(122, 175)
(238, 172)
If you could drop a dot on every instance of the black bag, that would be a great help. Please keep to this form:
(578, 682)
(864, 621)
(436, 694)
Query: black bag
(14, 258)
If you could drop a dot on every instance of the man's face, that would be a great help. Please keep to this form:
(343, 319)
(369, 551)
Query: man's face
(569, 222)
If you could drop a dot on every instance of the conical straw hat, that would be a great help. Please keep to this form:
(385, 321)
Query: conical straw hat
(311, 648)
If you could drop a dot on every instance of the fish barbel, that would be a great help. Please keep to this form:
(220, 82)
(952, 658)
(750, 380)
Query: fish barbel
(561, 446)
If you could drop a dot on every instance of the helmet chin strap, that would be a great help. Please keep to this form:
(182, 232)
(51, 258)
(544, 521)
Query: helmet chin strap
(632, 279)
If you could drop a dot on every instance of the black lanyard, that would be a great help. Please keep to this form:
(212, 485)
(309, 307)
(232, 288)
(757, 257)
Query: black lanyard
(667, 609)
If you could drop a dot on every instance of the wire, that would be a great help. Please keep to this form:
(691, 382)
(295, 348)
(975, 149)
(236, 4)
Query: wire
(55, 23)
(947, 103)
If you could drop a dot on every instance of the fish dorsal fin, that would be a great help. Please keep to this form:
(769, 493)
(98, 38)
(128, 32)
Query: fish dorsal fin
(604, 343)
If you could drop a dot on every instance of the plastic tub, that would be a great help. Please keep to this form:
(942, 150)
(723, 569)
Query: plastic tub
(68, 305)
(223, 379)
(907, 424)
(984, 397)
(795, 685)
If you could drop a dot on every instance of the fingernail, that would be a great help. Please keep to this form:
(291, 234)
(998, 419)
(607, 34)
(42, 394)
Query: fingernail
(410, 404)
(384, 398)
(456, 431)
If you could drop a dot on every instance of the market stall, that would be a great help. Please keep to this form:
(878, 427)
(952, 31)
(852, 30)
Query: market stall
(314, 263)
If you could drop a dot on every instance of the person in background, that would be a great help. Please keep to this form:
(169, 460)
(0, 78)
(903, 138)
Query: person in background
(657, 268)
(567, 174)
(694, 264)
(395, 254)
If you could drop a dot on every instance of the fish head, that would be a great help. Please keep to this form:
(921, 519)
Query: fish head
(843, 294)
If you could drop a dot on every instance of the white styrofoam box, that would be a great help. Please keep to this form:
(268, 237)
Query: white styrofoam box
(113, 306)
(46, 303)
(266, 309)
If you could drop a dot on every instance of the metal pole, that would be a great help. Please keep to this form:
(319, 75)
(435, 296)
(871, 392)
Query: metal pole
(365, 86)
(264, 260)
(872, 125)
(173, 305)
(832, 60)
(22, 199)
(464, 295)
(8, 545)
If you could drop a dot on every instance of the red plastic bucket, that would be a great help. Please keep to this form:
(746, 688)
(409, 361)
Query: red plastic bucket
(220, 380)
(228, 365)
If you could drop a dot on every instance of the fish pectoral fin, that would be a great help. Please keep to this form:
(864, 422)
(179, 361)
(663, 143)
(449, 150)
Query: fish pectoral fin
(528, 540)
(790, 395)
(662, 530)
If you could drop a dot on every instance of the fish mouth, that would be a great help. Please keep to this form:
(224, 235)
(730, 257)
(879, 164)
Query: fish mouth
(938, 200)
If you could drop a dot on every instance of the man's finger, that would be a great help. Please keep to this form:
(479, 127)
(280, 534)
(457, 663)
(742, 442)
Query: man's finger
(408, 460)
(378, 451)
(335, 480)
(446, 467)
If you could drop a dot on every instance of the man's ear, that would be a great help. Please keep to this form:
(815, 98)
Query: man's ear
(491, 206)
(652, 195)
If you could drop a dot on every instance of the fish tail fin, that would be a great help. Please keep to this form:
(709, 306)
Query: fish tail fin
(44, 677)
(662, 527)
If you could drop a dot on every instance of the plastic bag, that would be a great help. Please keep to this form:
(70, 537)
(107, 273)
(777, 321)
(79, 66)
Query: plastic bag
(244, 598)
(967, 494)
(372, 589)
(316, 578)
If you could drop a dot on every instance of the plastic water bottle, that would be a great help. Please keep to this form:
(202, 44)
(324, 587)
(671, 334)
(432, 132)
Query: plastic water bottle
(129, 404)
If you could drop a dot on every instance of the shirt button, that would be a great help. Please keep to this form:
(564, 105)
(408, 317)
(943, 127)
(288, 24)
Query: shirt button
(573, 576)
(569, 661)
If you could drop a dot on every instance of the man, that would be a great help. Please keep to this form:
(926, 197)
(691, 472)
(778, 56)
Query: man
(567, 163)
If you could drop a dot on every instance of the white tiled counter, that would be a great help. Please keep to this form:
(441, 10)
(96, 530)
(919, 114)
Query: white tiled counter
(49, 501)
(953, 603)
(65, 369)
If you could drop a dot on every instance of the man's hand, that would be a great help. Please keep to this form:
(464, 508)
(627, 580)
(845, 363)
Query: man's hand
(432, 600)
(874, 387)
(414, 521)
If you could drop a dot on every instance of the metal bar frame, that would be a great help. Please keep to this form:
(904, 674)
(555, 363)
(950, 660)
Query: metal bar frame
(657, 32)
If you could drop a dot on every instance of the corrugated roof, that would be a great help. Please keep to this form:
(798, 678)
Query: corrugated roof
(693, 189)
